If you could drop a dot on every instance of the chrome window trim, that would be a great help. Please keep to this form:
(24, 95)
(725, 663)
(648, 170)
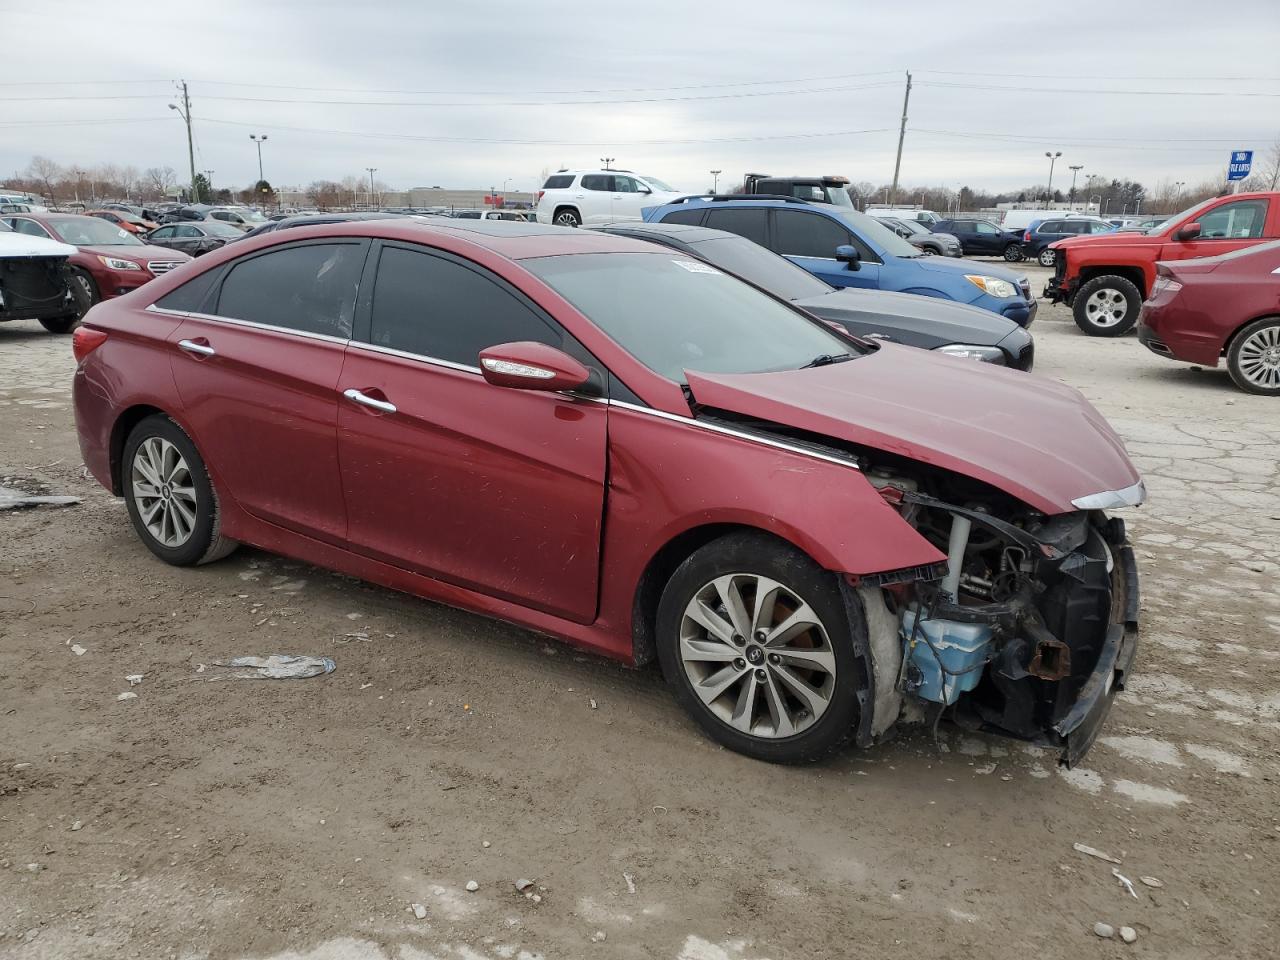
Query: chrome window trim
(405, 354)
(730, 432)
(252, 324)
(1131, 496)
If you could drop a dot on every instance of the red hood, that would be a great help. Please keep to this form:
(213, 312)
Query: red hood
(1110, 240)
(1035, 439)
(138, 254)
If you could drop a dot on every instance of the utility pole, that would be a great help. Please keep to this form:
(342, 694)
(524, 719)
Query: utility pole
(902, 132)
(372, 171)
(184, 111)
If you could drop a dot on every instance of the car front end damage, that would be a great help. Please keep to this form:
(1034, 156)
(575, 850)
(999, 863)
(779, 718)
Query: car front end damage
(36, 288)
(1028, 630)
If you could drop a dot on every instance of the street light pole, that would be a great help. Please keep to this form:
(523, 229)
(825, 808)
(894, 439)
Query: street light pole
(1177, 193)
(715, 180)
(1075, 168)
(607, 160)
(259, 140)
(1053, 158)
(184, 112)
(372, 171)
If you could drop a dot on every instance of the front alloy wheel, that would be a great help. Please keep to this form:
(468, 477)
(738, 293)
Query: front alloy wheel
(758, 645)
(1047, 257)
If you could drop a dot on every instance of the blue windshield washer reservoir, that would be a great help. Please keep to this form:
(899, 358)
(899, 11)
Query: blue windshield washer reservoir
(962, 648)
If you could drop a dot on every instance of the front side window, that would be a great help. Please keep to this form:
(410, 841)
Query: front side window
(984, 228)
(436, 307)
(163, 233)
(799, 234)
(310, 288)
(30, 228)
(186, 232)
(1241, 220)
(674, 313)
(745, 222)
(625, 185)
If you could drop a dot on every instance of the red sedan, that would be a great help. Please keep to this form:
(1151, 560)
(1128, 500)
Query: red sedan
(610, 442)
(109, 260)
(125, 221)
(1203, 310)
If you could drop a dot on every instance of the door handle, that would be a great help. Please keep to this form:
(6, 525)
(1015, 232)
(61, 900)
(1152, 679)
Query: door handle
(355, 396)
(196, 349)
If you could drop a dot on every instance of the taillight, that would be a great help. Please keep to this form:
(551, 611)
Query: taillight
(1026, 237)
(540, 193)
(86, 340)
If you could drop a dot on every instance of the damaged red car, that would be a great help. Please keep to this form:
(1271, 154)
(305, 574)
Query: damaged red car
(818, 538)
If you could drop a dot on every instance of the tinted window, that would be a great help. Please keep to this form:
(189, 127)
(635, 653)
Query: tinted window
(762, 267)
(597, 181)
(799, 234)
(310, 288)
(435, 307)
(625, 185)
(189, 297)
(558, 182)
(30, 228)
(692, 217)
(749, 223)
(1050, 226)
(1243, 219)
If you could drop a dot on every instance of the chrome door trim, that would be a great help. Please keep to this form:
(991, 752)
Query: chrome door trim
(406, 355)
(251, 324)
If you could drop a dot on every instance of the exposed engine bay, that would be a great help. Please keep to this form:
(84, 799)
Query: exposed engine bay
(32, 288)
(1026, 630)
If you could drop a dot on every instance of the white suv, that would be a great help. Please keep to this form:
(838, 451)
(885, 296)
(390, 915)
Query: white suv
(571, 198)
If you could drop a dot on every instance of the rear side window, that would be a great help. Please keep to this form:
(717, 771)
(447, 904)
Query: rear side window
(436, 307)
(191, 296)
(745, 223)
(799, 234)
(559, 181)
(690, 217)
(311, 288)
(597, 181)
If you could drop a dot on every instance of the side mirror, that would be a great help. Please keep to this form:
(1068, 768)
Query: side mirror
(848, 255)
(526, 365)
(1190, 232)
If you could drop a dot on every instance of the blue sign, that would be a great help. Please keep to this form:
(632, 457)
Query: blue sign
(1241, 161)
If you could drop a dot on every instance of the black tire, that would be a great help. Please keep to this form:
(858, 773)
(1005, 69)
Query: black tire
(1108, 289)
(929, 251)
(1013, 253)
(205, 543)
(60, 325)
(749, 554)
(88, 285)
(1047, 258)
(1256, 369)
(567, 217)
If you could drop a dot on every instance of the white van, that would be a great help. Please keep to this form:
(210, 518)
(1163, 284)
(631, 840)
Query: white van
(1020, 219)
(927, 217)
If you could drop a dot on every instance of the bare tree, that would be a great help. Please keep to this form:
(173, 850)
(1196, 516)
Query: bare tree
(46, 171)
(160, 180)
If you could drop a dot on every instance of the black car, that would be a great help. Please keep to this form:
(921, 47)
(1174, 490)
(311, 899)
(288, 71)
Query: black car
(926, 322)
(929, 242)
(982, 238)
(1041, 233)
(310, 220)
(196, 237)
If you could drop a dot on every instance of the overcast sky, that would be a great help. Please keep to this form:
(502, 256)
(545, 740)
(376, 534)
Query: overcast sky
(763, 86)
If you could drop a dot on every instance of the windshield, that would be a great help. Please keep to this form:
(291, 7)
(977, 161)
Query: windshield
(839, 196)
(869, 228)
(753, 262)
(216, 228)
(658, 184)
(673, 313)
(1168, 221)
(90, 232)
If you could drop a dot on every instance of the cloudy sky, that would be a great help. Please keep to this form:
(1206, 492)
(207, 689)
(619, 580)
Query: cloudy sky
(475, 94)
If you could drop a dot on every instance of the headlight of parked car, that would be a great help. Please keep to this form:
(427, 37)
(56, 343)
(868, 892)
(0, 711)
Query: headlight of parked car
(971, 351)
(992, 285)
(115, 263)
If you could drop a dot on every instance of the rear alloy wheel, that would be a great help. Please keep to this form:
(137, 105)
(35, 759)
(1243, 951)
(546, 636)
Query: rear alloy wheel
(1013, 253)
(756, 642)
(169, 496)
(1047, 257)
(1107, 306)
(1254, 358)
(568, 217)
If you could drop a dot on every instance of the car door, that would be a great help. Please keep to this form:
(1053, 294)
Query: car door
(809, 239)
(984, 238)
(1226, 227)
(493, 489)
(257, 372)
(187, 238)
(163, 237)
(629, 197)
(595, 201)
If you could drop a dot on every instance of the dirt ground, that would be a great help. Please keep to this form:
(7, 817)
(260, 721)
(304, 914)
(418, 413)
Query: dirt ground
(302, 819)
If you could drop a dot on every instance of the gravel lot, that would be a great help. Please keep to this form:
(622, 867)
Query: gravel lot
(302, 819)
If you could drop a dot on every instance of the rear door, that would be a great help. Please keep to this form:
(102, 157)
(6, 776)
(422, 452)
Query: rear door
(595, 202)
(496, 490)
(258, 376)
(1228, 226)
(809, 239)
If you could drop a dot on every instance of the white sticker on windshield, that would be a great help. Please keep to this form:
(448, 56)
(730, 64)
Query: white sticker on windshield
(693, 266)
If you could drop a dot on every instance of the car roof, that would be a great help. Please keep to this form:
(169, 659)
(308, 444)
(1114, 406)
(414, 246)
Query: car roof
(685, 232)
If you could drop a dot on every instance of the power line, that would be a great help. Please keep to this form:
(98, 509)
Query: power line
(1076, 76)
(1088, 92)
(1052, 141)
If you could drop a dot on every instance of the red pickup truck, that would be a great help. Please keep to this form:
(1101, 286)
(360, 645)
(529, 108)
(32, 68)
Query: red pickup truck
(1105, 277)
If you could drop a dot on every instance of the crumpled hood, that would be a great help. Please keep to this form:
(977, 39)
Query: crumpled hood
(1035, 439)
(21, 245)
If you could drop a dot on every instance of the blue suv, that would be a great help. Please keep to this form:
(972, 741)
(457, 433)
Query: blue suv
(849, 249)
